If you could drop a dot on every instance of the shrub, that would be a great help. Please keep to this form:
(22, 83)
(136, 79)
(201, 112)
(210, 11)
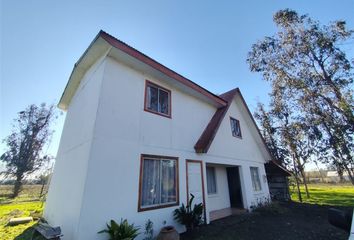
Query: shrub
(189, 217)
(122, 231)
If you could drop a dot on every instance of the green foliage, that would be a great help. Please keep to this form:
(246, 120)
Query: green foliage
(311, 113)
(149, 230)
(121, 231)
(188, 216)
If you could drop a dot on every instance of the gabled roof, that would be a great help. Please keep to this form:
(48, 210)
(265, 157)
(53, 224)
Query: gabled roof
(103, 44)
(208, 135)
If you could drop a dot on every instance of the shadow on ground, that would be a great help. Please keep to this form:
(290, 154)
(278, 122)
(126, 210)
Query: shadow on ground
(290, 221)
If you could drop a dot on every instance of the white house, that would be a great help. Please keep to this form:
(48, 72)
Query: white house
(139, 138)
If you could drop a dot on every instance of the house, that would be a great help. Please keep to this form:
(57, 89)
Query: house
(139, 138)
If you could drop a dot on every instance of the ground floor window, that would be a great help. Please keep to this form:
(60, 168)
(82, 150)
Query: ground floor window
(211, 180)
(158, 182)
(256, 183)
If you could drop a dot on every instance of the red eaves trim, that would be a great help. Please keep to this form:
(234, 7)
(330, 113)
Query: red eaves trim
(208, 135)
(158, 66)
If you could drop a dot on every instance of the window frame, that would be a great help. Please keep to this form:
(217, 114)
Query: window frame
(214, 178)
(239, 125)
(156, 157)
(259, 179)
(151, 84)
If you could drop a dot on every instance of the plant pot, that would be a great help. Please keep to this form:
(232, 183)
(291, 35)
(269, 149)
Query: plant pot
(168, 233)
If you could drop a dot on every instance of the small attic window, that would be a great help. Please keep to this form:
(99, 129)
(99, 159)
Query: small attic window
(157, 99)
(235, 127)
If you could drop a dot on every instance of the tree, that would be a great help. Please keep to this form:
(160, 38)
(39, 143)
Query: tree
(308, 69)
(30, 134)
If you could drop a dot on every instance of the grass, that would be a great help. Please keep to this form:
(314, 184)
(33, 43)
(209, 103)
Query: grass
(25, 205)
(8, 211)
(326, 194)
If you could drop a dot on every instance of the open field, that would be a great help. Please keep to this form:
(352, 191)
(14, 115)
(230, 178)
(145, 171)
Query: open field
(304, 221)
(326, 194)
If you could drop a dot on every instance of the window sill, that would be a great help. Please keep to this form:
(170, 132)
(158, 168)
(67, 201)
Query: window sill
(213, 195)
(157, 113)
(140, 209)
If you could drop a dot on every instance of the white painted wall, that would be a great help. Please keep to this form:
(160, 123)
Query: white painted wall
(244, 152)
(115, 130)
(221, 199)
(64, 200)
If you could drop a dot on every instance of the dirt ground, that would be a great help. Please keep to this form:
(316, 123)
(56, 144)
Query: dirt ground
(291, 221)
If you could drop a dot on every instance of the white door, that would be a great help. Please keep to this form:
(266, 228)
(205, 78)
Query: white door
(195, 181)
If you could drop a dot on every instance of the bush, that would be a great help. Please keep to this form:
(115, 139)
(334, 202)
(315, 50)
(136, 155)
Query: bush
(122, 231)
(189, 217)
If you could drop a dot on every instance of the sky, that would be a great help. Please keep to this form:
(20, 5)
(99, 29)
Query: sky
(205, 41)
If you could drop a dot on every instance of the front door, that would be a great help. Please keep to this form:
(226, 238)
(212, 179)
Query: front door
(235, 191)
(195, 184)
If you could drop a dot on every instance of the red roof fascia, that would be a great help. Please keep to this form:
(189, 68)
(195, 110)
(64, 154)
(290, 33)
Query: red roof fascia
(208, 135)
(158, 66)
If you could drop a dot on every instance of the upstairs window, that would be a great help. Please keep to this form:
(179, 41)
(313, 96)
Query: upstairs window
(235, 127)
(157, 99)
(256, 183)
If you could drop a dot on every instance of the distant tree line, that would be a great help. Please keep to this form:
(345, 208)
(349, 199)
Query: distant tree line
(310, 117)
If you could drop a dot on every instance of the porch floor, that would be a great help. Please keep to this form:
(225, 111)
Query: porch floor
(225, 212)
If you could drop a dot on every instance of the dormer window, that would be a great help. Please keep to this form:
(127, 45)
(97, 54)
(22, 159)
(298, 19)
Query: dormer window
(157, 99)
(235, 127)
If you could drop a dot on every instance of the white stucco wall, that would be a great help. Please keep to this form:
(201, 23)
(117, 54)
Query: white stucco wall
(105, 133)
(64, 200)
(221, 199)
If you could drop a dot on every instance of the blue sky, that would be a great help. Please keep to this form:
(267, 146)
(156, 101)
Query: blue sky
(205, 41)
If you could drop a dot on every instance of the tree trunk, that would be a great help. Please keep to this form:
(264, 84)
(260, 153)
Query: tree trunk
(42, 188)
(351, 177)
(297, 180)
(319, 170)
(305, 181)
(17, 186)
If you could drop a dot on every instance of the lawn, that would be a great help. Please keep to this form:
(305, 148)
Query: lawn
(325, 194)
(11, 210)
(25, 205)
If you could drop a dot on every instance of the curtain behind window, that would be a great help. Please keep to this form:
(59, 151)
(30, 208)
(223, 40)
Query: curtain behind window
(211, 180)
(159, 182)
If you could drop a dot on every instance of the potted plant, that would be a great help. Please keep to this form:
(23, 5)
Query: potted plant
(168, 233)
(188, 216)
(121, 231)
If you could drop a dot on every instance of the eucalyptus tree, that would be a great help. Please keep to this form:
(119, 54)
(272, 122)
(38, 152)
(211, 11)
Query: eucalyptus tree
(25, 145)
(306, 66)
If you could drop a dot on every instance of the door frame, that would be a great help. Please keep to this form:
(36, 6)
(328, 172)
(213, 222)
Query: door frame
(202, 176)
